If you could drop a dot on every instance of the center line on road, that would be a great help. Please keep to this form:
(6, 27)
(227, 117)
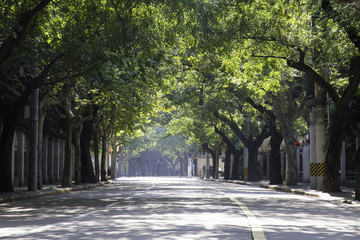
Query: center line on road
(257, 231)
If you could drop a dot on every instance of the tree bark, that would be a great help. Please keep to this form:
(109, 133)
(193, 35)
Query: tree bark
(332, 159)
(215, 159)
(216, 165)
(42, 115)
(113, 157)
(356, 161)
(87, 170)
(236, 164)
(227, 163)
(6, 142)
(103, 158)
(230, 150)
(287, 129)
(69, 127)
(291, 161)
(275, 156)
(77, 134)
(253, 171)
(275, 141)
(185, 164)
(96, 156)
(357, 183)
(287, 119)
(250, 142)
(338, 127)
(67, 181)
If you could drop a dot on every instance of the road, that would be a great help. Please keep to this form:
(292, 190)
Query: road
(177, 208)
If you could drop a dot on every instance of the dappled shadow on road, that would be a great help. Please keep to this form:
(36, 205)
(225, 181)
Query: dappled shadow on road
(289, 216)
(179, 212)
(35, 212)
(169, 218)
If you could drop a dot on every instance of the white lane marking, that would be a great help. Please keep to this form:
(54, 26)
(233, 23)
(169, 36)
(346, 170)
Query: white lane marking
(257, 231)
(111, 204)
(85, 214)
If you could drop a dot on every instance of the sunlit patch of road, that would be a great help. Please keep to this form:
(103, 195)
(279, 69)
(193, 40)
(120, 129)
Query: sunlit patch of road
(177, 208)
(142, 208)
(296, 217)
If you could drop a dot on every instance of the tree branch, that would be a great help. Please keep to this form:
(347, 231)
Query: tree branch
(19, 32)
(225, 139)
(269, 56)
(10, 89)
(351, 31)
(315, 77)
(232, 124)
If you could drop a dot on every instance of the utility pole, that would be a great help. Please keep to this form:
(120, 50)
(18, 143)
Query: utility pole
(317, 130)
(320, 118)
(313, 183)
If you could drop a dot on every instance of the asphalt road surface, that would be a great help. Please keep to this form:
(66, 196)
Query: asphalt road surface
(178, 208)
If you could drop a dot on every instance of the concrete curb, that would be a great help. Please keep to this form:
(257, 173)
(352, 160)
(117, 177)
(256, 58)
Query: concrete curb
(282, 188)
(289, 190)
(23, 195)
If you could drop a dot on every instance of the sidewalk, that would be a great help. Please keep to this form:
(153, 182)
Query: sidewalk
(345, 197)
(21, 193)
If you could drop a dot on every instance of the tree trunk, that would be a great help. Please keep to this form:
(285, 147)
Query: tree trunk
(42, 115)
(291, 160)
(236, 164)
(215, 158)
(77, 134)
(185, 164)
(332, 166)
(96, 156)
(332, 159)
(356, 161)
(6, 142)
(291, 166)
(87, 170)
(103, 158)
(67, 181)
(357, 183)
(113, 158)
(287, 119)
(253, 171)
(181, 164)
(227, 164)
(275, 156)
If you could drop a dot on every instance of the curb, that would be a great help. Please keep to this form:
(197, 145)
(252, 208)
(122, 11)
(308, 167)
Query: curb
(23, 195)
(272, 187)
(289, 190)
(284, 188)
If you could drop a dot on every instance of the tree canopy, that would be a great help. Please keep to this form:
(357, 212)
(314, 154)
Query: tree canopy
(215, 75)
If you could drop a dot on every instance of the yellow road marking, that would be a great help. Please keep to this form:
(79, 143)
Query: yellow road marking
(256, 228)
